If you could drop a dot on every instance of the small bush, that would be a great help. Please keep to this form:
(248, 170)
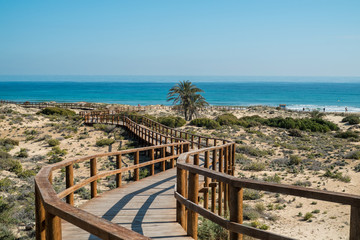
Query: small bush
(255, 166)
(353, 155)
(347, 134)
(302, 183)
(53, 142)
(104, 142)
(308, 216)
(295, 133)
(57, 111)
(294, 160)
(352, 119)
(23, 153)
(227, 119)
(252, 151)
(205, 122)
(276, 178)
(209, 230)
(171, 121)
(337, 175)
(250, 194)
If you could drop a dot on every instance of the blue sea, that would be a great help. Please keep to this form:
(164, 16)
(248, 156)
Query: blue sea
(331, 93)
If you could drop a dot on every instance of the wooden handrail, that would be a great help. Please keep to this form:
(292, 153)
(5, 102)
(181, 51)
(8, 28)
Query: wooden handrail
(234, 201)
(50, 208)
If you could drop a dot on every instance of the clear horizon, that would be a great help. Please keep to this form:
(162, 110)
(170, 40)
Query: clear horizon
(189, 38)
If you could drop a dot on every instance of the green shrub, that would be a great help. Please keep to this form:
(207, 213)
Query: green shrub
(352, 119)
(104, 142)
(57, 111)
(295, 133)
(53, 142)
(205, 122)
(250, 194)
(353, 155)
(337, 175)
(6, 144)
(171, 121)
(294, 160)
(312, 124)
(6, 184)
(255, 166)
(252, 151)
(227, 119)
(308, 216)
(209, 230)
(347, 134)
(57, 151)
(276, 178)
(23, 153)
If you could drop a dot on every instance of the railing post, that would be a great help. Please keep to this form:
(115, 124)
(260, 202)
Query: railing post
(163, 154)
(355, 223)
(213, 196)
(192, 141)
(152, 157)
(93, 173)
(136, 162)
(70, 183)
(40, 215)
(236, 209)
(118, 175)
(180, 188)
(220, 190)
(193, 191)
(226, 186)
(53, 227)
(172, 154)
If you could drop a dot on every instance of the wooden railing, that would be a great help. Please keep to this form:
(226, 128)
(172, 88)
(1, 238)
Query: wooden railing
(50, 209)
(87, 106)
(230, 189)
(222, 192)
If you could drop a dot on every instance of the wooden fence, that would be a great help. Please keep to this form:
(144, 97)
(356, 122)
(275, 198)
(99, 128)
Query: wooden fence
(84, 106)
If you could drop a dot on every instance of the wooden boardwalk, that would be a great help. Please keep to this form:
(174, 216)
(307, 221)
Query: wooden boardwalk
(147, 207)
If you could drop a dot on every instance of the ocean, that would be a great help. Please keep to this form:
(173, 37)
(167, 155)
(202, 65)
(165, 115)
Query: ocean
(331, 93)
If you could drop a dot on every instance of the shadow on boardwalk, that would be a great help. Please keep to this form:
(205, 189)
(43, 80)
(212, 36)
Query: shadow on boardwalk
(147, 207)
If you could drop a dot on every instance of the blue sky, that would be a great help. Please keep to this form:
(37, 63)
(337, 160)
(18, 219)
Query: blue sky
(202, 37)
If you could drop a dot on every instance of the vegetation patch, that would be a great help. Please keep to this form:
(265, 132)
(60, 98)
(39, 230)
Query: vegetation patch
(337, 175)
(6, 144)
(352, 119)
(171, 121)
(347, 134)
(227, 119)
(57, 111)
(104, 142)
(53, 142)
(353, 155)
(205, 122)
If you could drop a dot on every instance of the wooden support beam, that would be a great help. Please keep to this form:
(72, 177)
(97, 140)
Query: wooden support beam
(136, 162)
(193, 190)
(93, 173)
(118, 175)
(70, 183)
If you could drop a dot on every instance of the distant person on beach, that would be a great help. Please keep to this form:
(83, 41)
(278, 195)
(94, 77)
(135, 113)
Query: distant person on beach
(345, 109)
(324, 109)
(303, 109)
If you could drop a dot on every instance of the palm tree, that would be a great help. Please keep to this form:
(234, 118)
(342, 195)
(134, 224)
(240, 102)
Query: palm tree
(185, 95)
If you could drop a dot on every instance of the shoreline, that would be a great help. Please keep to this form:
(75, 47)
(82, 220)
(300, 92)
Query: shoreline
(296, 107)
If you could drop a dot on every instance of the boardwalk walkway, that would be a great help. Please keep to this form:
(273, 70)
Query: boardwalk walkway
(140, 206)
